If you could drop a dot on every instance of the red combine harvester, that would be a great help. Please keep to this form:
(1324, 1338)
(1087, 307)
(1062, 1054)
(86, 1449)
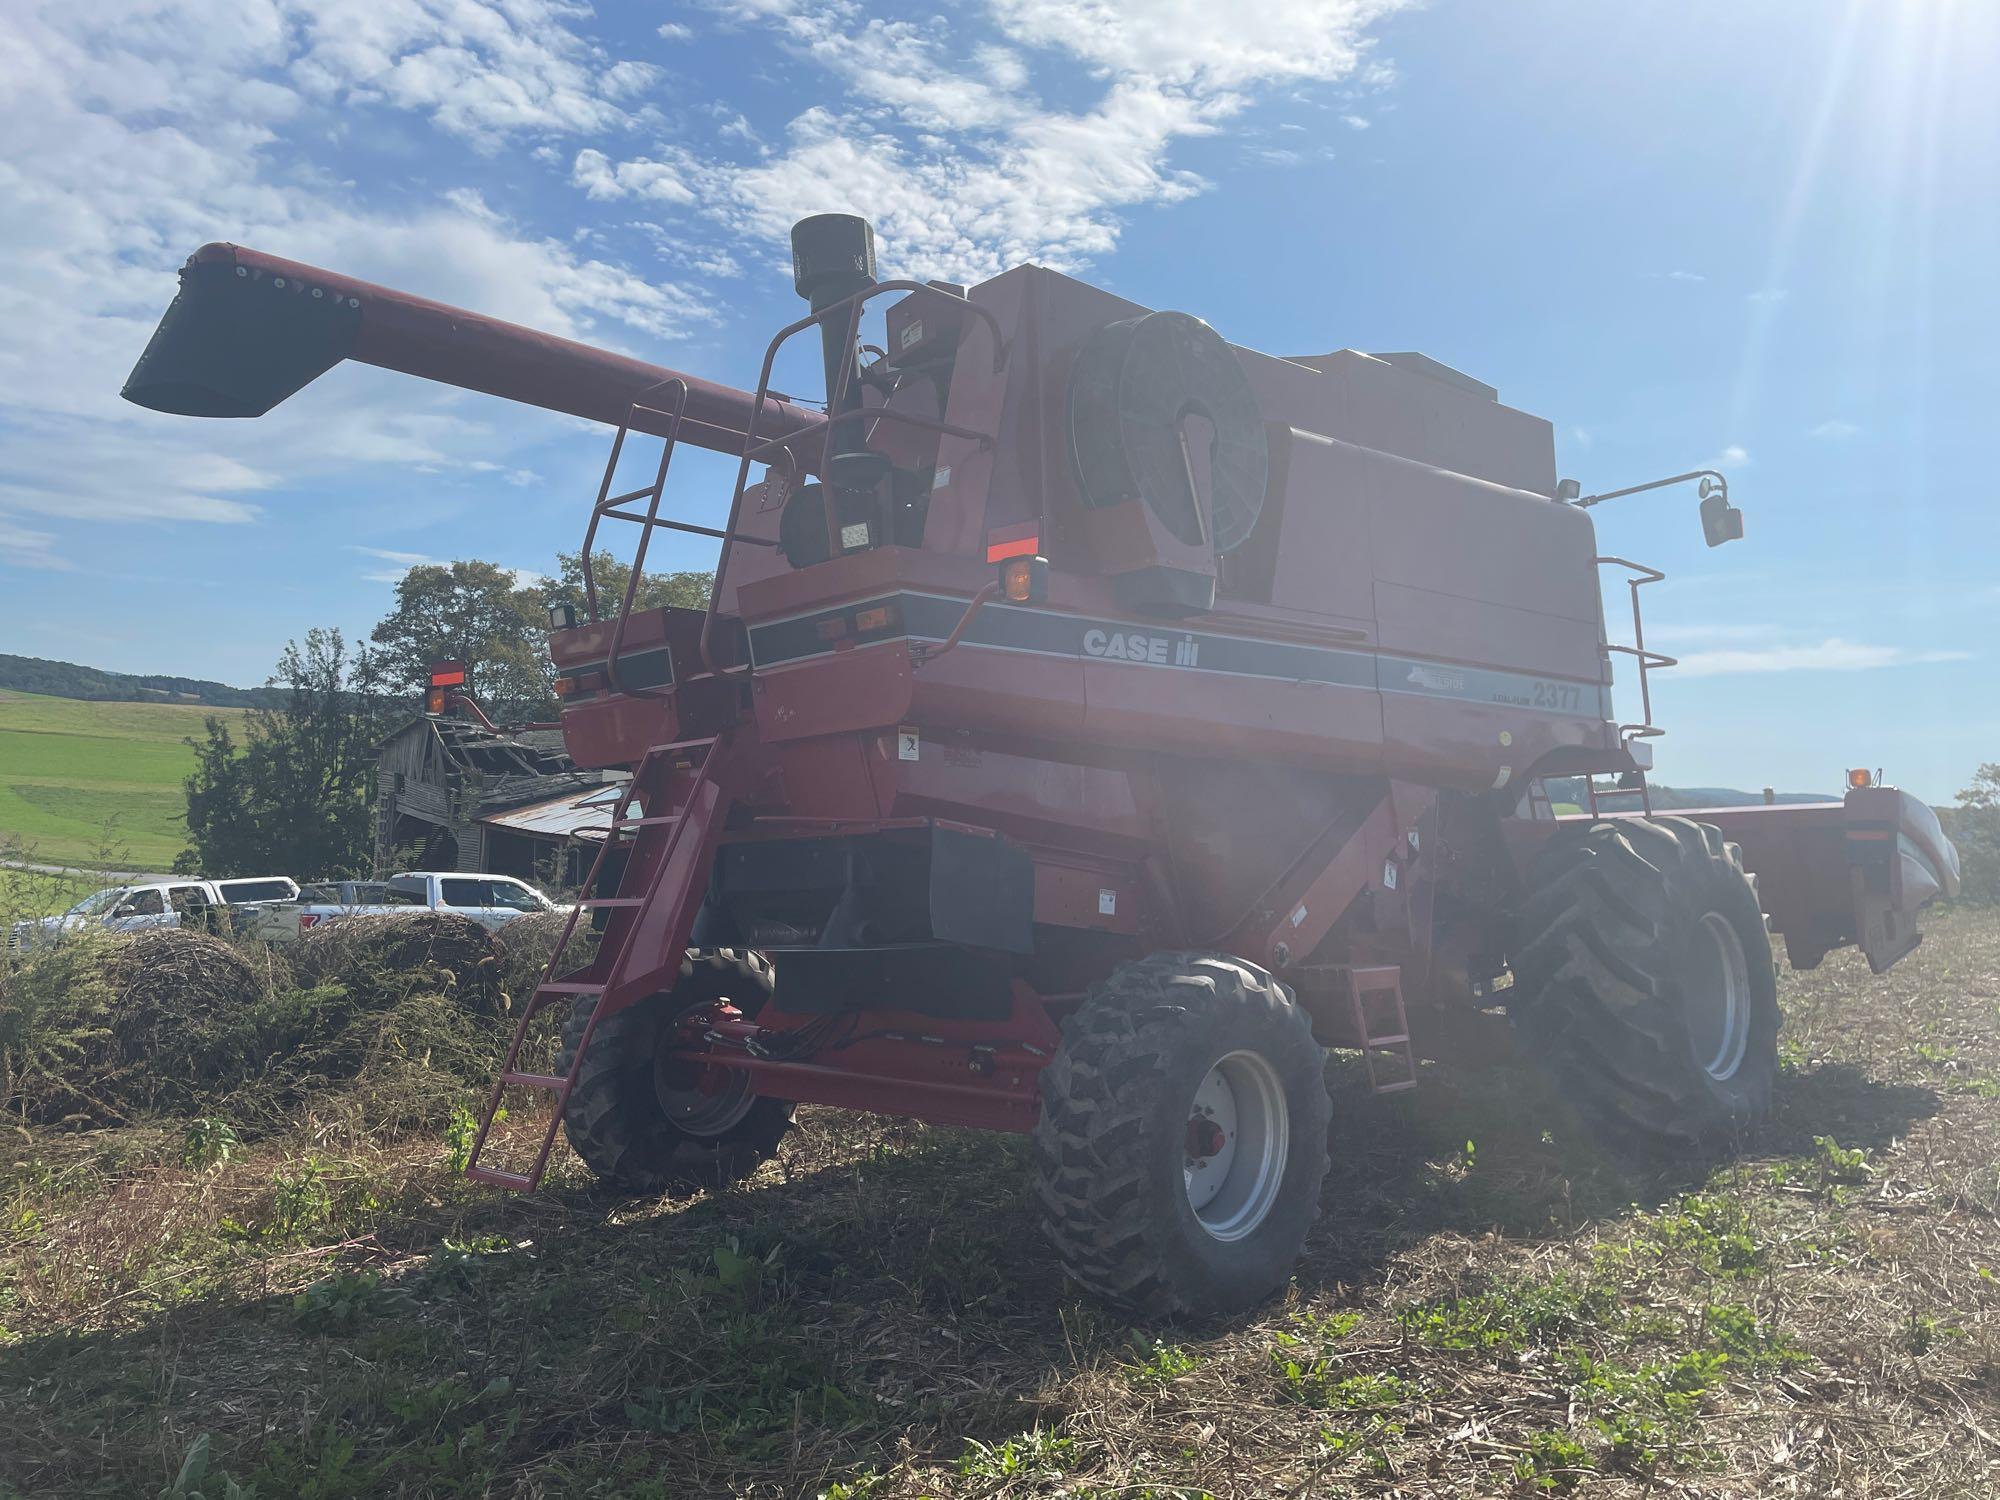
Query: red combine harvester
(1091, 722)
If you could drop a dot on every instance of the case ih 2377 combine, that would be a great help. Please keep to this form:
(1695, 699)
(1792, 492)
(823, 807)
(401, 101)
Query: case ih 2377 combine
(1091, 723)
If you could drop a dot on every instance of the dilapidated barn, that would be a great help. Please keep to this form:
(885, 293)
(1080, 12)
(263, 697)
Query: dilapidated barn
(453, 795)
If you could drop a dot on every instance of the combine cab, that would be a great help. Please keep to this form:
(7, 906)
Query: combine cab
(1092, 722)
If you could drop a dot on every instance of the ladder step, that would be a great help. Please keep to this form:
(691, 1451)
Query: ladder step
(570, 987)
(660, 821)
(593, 902)
(1385, 1041)
(534, 1080)
(494, 1177)
(1396, 1088)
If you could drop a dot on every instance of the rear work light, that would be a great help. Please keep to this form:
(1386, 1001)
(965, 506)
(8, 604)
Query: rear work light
(1024, 580)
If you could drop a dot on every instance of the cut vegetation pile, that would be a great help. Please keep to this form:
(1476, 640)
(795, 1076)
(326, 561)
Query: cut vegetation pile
(383, 1024)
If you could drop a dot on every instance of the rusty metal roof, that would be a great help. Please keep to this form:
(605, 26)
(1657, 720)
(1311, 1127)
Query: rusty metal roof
(567, 816)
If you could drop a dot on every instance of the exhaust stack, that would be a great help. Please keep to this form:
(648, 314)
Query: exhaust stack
(248, 330)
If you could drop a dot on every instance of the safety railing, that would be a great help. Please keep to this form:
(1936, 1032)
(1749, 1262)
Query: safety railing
(1648, 660)
(673, 394)
(758, 450)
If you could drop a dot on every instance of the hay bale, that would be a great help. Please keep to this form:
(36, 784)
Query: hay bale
(382, 960)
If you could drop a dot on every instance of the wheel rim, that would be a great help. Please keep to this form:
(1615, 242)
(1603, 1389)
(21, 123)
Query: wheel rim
(1718, 1001)
(698, 1099)
(1238, 1139)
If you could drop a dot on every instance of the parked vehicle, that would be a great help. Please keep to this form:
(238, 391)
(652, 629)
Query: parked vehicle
(211, 905)
(490, 900)
(328, 901)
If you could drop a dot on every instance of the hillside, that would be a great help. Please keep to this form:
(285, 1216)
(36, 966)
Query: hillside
(96, 783)
(64, 679)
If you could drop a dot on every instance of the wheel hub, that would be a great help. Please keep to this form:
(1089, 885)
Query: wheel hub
(1237, 1140)
(1718, 1002)
(698, 1097)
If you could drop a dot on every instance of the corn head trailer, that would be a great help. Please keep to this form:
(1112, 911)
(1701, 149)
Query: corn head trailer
(1093, 721)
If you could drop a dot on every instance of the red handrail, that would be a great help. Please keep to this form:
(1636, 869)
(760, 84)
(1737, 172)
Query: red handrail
(850, 307)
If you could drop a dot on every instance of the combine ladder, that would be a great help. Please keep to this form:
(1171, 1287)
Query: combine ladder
(1382, 984)
(682, 797)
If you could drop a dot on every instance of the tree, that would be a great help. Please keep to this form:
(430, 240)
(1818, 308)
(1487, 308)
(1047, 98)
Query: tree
(295, 797)
(1974, 826)
(477, 613)
(688, 590)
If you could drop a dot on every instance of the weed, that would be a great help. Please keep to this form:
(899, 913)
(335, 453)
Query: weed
(340, 1302)
(1713, 1233)
(1753, 1345)
(1159, 1364)
(1838, 1163)
(1032, 1455)
(1511, 1317)
(193, 1481)
(1370, 1441)
(1635, 1442)
(208, 1143)
(1554, 1461)
(302, 1202)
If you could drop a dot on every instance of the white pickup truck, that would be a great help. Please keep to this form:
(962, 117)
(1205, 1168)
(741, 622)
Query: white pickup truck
(211, 905)
(490, 900)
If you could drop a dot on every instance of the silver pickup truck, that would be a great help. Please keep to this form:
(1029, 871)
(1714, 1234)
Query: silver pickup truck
(490, 900)
(205, 905)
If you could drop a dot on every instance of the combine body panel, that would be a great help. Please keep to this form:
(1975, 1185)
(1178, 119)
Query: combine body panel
(1241, 752)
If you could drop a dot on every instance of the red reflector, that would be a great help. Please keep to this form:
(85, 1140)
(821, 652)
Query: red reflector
(447, 674)
(881, 617)
(1001, 550)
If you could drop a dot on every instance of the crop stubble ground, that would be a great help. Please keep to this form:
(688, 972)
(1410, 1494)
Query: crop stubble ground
(1488, 1306)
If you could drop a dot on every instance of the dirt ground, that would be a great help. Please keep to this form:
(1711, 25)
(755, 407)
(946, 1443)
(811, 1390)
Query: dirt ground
(1488, 1306)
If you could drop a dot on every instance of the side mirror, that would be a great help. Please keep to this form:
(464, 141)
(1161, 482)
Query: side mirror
(1569, 490)
(1720, 521)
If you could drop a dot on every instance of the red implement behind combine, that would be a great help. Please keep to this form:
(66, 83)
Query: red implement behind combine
(1091, 722)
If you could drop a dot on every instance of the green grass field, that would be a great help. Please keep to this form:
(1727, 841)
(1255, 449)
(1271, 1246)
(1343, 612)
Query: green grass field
(96, 783)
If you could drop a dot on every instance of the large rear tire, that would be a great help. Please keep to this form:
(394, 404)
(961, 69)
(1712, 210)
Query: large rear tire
(1643, 980)
(1182, 1140)
(639, 1118)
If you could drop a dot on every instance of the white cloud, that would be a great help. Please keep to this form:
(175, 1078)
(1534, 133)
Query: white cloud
(1830, 655)
(1835, 430)
(1735, 456)
(480, 72)
(603, 179)
(1196, 42)
(29, 549)
(135, 136)
(673, 31)
(964, 168)
(1357, 122)
(1768, 296)
(1693, 276)
(399, 563)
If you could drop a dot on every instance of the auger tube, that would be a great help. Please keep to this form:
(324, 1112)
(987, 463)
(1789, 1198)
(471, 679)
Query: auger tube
(247, 330)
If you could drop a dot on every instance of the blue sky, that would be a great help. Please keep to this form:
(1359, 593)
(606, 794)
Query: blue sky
(1763, 237)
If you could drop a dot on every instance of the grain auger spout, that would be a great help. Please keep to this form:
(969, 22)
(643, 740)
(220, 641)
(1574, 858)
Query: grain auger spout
(248, 330)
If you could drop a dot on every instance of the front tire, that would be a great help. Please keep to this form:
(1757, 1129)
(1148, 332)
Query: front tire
(1643, 980)
(638, 1116)
(1182, 1140)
